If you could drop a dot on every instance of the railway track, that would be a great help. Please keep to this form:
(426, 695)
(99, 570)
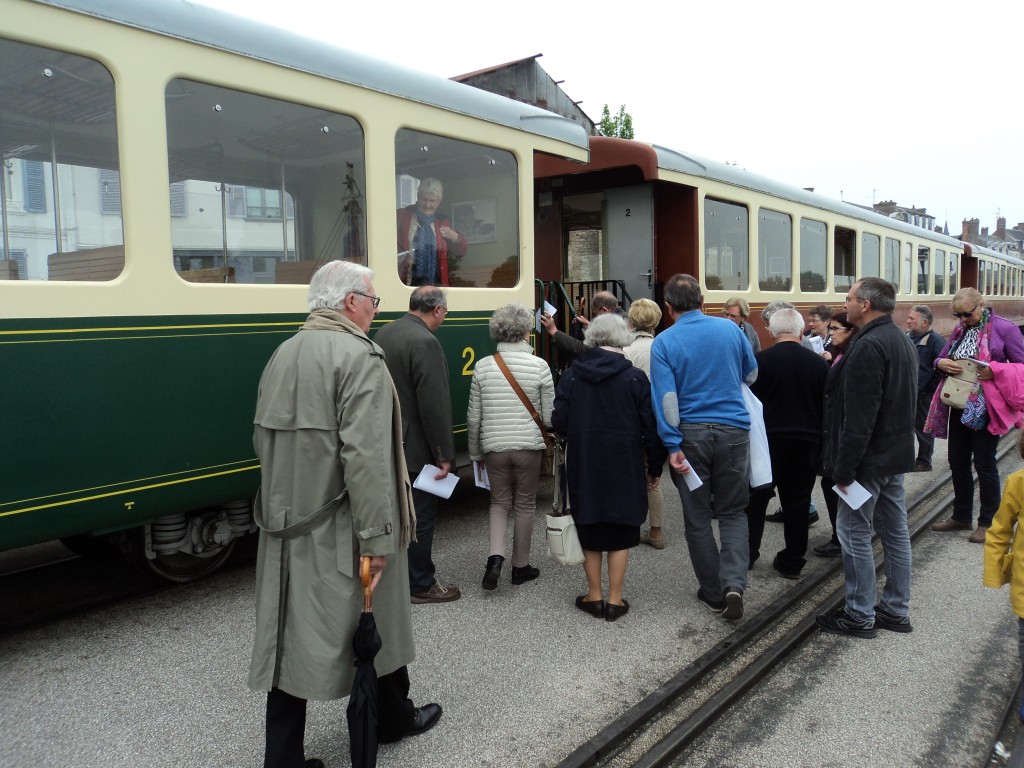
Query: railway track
(657, 730)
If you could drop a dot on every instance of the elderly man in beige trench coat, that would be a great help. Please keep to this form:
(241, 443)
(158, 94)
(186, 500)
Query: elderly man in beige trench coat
(334, 488)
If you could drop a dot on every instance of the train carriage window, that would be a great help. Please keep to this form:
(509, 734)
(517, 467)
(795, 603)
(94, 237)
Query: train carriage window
(726, 250)
(813, 245)
(982, 288)
(774, 250)
(845, 259)
(457, 212)
(870, 259)
(1002, 279)
(923, 268)
(269, 190)
(891, 262)
(954, 260)
(940, 268)
(908, 268)
(58, 166)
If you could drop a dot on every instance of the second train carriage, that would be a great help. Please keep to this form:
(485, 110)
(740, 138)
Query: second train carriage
(171, 177)
(640, 213)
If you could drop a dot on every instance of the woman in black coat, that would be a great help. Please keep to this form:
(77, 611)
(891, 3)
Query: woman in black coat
(603, 408)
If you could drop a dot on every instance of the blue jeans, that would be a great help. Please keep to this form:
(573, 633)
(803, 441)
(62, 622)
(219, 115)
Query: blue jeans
(719, 455)
(886, 512)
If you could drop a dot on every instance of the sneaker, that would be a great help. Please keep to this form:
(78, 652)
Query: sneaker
(842, 623)
(438, 593)
(774, 517)
(890, 621)
(717, 607)
(733, 604)
(828, 549)
(978, 535)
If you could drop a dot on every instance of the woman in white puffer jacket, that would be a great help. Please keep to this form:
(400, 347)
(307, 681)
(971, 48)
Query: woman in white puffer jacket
(505, 436)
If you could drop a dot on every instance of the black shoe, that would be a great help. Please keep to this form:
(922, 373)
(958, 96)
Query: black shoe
(733, 604)
(314, 762)
(524, 574)
(890, 621)
(842, 623)
(613, 611)
(426, 718)
(828, 549)
(593, 607)
(922, 466)
(786, 573)
(492, 572)
(774, 517)
(716, 606)
(812, 518)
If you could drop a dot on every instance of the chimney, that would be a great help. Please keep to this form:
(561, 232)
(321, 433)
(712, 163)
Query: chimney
(984, 231)
(1001, 228)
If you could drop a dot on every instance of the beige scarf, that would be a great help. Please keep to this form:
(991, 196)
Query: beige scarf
(332, 320)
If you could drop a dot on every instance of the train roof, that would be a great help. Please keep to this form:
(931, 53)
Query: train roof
(211, 27)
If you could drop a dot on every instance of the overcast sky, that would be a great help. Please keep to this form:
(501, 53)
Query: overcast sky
(905, 100)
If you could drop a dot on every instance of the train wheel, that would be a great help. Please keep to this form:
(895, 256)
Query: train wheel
(180, 568)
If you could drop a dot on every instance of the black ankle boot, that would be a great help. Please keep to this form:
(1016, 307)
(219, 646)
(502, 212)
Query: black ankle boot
(524, 574)
(493, 571)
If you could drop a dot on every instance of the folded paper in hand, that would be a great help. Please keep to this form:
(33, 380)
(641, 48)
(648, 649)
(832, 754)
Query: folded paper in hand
(855, 495)
(691, 478)
(425, 482)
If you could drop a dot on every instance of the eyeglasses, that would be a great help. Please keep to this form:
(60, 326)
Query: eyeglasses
(837, 329)
(375, 300)
(965, 315)
(444, 310)
(732, 315)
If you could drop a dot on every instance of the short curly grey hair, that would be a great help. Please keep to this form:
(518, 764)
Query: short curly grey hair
(607, 331)
(334, 281)
(510, 323)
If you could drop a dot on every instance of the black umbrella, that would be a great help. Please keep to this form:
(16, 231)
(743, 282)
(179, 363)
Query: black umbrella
(362, 703)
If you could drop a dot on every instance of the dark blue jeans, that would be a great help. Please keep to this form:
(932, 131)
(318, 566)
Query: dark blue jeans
(980, 445)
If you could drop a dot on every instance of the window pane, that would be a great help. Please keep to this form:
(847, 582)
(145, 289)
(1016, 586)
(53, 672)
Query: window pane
(954, 276)
(774, 250)
(813, 245)
(923, 266)
(457, 212)
(891, 265)
(58, 142)
(845, 259)
(869, 260)
(940, 268)
(726, 261)
(237, 156)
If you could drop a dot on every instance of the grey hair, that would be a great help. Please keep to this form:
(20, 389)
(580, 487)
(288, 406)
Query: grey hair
(607, 331)
(924, 311)
(426, 298)
(786, 321)
(740, 304)
(879, 292)
(334, 281)
(510, 323)
(774, 306)
(430, 184)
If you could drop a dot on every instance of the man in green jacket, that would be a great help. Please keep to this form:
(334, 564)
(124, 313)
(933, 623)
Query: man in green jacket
(328, 434)
(417, 364)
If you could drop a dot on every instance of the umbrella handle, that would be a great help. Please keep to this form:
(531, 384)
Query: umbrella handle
(364, 575)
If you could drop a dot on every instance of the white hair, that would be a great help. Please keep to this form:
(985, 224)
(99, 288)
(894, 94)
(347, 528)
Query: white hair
(786, 321)
(334, 281)
(430, 184)
(608, 330)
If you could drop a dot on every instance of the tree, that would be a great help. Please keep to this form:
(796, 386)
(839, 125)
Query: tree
(620, 126)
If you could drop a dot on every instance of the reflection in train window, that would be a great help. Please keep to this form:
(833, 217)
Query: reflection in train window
(870, 264)
(813, 245)
(953, 272)
(845, 259)
(270, 190)
(891, 264)
(923, 268)
(774, 250)
(457, 212)
(58, 167)
(940, 268)
(726, 257)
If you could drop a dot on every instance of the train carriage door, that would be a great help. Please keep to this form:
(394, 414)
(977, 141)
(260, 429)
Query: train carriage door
(629, 233)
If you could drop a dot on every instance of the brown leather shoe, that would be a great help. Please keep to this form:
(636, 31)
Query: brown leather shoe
(978, 536)
(951, 525)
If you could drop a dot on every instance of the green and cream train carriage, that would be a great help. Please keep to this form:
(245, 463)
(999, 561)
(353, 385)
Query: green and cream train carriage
(171, 177)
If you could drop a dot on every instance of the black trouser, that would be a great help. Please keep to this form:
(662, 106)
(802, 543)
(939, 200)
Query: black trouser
(421, 564)
(286, 720)
(794, 469)
(925, 442)
(980, 444)
(832, 504)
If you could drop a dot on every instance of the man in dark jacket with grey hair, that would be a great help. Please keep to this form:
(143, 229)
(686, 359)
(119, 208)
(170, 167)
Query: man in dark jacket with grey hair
(870, 396)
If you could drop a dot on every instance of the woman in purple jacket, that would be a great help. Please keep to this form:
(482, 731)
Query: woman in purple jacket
(984, 336)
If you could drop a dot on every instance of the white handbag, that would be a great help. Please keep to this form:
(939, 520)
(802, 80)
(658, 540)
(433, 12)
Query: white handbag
(563, 541)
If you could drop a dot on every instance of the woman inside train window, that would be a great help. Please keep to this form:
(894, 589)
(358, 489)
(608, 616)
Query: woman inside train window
(738, 310)
(973, 431)
(425, 238)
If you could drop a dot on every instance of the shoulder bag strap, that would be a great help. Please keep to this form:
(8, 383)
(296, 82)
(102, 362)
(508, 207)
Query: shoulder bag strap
(522, 397)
